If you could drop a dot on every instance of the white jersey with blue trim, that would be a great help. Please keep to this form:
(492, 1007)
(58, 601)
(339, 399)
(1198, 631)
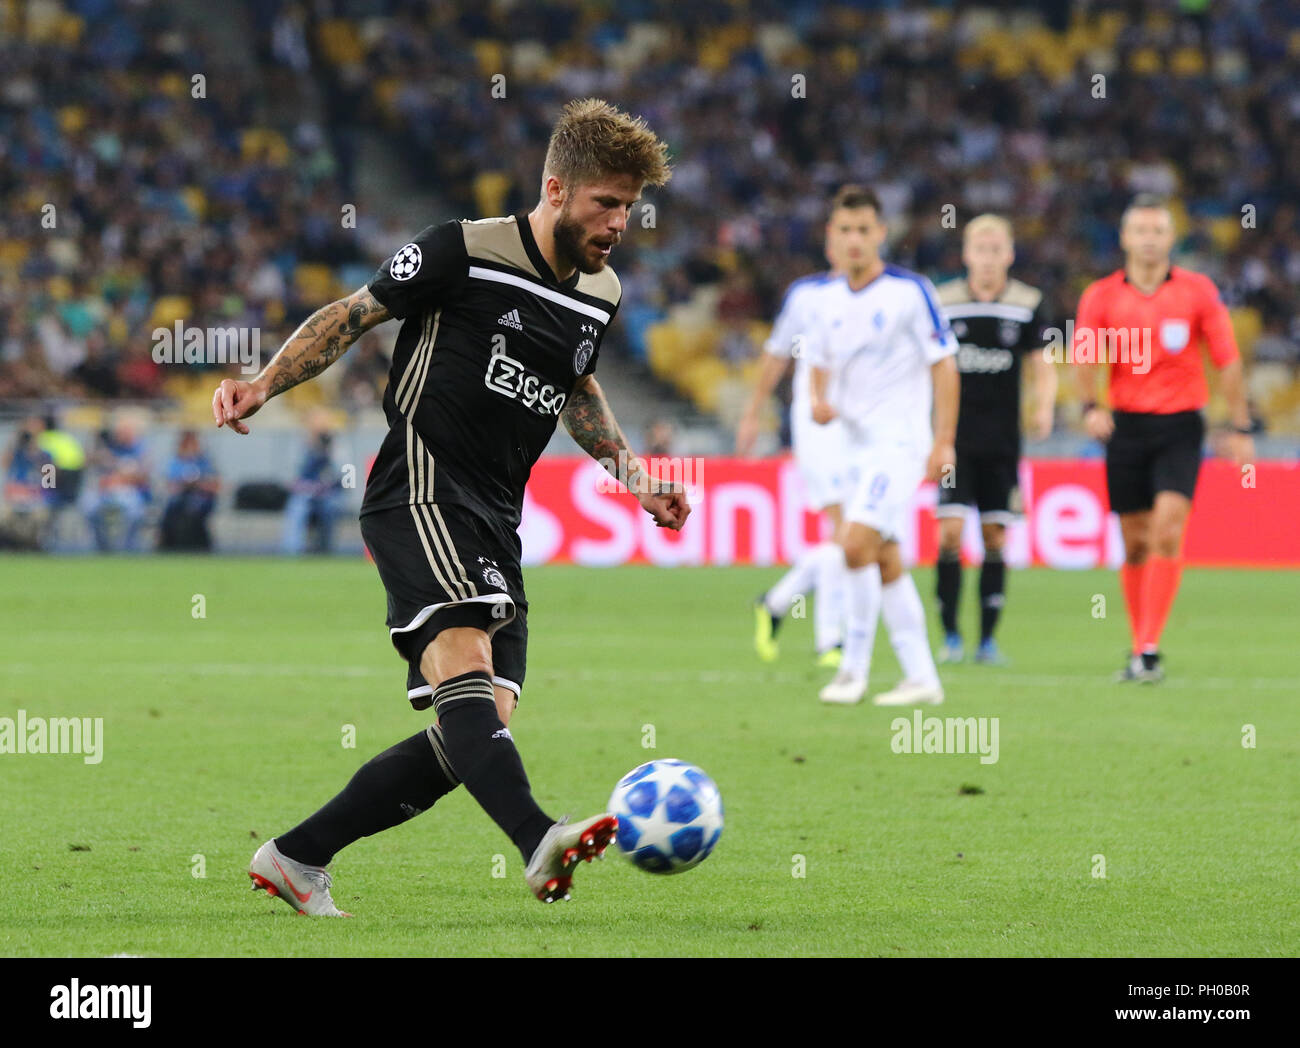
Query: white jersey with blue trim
(878, 343)
(803, 303)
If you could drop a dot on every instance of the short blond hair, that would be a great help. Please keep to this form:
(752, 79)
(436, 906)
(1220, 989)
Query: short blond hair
(988, 220)
(592, 140)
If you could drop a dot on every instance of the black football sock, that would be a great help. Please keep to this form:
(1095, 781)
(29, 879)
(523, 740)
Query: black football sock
(483, 753)
(948, 588)
(993, 579)
(388, 789)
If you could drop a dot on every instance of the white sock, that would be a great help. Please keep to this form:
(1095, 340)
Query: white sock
(800, 579)
(905, 619)
(828, 611)
(862, 590)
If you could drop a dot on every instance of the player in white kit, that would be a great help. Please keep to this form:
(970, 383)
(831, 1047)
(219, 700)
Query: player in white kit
(883, 358)
(820, 451)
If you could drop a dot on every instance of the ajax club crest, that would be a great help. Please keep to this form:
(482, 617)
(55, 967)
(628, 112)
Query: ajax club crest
(582, 356)
(491, 574)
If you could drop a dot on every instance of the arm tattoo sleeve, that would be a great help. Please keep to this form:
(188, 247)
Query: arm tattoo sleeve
(590, 421)
(321, 339)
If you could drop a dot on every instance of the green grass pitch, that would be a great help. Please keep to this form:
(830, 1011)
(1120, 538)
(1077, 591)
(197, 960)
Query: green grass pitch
(222, 730)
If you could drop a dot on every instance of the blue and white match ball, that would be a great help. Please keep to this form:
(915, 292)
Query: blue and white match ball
(669, 816)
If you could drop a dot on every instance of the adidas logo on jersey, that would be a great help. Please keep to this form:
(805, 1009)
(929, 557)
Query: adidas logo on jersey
(511, 320)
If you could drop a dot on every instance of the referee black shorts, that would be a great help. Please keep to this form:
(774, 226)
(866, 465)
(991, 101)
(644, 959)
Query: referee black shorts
(443, 566)
(991, 483)
(1150, 453)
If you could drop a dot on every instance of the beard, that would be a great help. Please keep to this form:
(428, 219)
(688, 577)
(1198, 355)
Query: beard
(571, 244)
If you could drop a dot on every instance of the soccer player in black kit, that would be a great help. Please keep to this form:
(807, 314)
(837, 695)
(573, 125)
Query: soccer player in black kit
(997, 321)
(503, 319)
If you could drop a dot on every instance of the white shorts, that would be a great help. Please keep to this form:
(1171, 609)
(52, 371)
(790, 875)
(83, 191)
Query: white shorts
(882, 480)
(822, 454)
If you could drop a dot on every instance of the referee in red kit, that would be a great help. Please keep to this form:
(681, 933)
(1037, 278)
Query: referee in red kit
(1145, 325)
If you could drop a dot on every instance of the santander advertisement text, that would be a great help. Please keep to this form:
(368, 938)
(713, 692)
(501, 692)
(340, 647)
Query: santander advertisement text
(751, 511)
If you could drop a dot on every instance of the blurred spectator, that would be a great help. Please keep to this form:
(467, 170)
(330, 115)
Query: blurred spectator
(138, 373)
(661, 438)
(28, 490)
(69, 459)
(29, 376)
(1276, 358)
(192, 485)
(122, 486)
(738, 307)
(317, 495)
(738, 345)
(738, 304)
(1275, 346)
(96, 375)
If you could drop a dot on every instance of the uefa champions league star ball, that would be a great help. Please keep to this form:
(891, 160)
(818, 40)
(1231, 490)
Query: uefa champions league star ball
(669, 816)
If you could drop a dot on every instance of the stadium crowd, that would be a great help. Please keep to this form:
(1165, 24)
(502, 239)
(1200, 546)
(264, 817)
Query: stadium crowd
(129, 203)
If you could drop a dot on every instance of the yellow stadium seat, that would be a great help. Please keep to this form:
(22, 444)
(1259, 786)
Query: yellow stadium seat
(179, 384)
(174, 86)
(1225, 232)
(1110, 24)
(1282, 412)
(1145, 61)
(1187, 61)
(385, 92)
(70, 29)
(167, 309)
(663, 348)
(340, 42)
(846, 59)
(491, 57)
(1246, 326)
(196, 200)
(13, 253)
(490, 188)
(314, 282)
(747, 373)
(702, 380)
(72, 119)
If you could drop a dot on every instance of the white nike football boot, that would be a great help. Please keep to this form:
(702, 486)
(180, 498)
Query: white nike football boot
(305, 888)
(550, 870)
(910, 693)
(845, 689)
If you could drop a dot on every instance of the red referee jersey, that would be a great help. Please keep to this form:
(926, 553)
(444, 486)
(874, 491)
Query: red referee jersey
(1152, 343)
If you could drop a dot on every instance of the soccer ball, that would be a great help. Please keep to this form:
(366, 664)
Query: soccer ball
(669, 816)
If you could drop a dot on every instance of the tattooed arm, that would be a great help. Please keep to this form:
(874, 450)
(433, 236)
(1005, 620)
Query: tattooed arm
(319, 341)
(590, 421)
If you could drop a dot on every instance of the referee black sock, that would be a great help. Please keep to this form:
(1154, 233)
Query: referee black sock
(993, 578)
(948, 588)
(388, 789)
(483, 754)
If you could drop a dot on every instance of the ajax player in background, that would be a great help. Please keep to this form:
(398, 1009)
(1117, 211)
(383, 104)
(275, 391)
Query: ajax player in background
(502, 323)
(883, 358)
(1153, 428)
(998, 322)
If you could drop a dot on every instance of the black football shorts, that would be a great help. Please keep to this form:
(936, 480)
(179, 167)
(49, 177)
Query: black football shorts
(443, 566)
(991, 483)
(1150, 453)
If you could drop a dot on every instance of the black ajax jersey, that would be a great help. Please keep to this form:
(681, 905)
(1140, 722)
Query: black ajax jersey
(490, 349)
(992, 339)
